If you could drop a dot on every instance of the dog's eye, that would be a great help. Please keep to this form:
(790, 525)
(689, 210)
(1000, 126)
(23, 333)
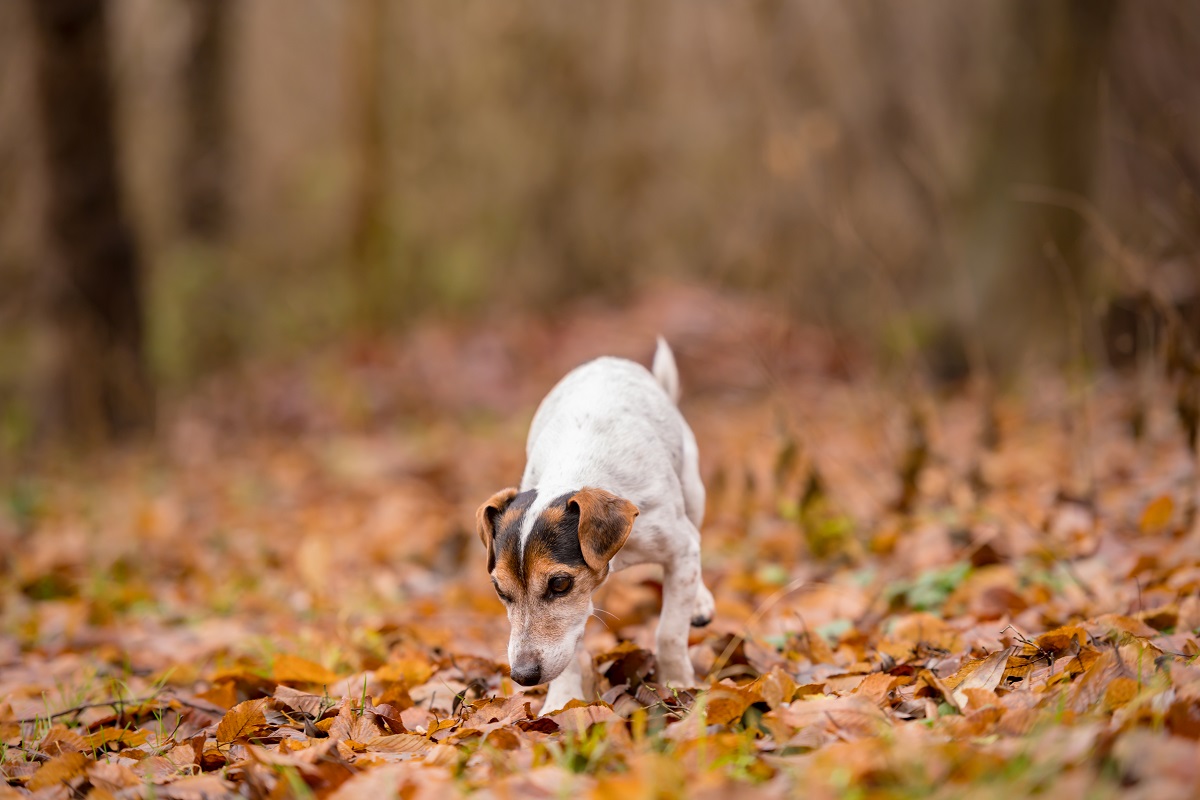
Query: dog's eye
(503, 597)
(560, 585)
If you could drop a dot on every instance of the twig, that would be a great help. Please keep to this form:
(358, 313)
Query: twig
(117, 703)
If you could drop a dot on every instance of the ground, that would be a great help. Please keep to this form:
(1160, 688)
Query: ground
(920, 591)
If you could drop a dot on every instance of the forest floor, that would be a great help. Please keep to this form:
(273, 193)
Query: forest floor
(286, 596)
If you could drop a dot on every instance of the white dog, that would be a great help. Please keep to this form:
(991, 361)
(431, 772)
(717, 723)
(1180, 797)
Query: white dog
(612, 479)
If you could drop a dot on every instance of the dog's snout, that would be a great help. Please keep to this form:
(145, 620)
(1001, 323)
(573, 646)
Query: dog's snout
(527, 673)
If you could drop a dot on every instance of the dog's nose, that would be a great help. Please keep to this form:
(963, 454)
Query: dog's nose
(527, 674)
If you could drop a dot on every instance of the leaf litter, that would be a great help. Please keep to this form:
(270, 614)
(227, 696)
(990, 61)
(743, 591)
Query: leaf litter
(289, 600)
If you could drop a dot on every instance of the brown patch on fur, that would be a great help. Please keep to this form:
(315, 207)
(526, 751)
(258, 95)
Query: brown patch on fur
(552, 516)
(510, 518)
(485, 520)
(605, 522)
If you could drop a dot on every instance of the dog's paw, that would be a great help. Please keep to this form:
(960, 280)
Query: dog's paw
(676, 672)
(702, 610)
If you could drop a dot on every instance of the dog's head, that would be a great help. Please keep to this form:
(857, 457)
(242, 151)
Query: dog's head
(545, 560)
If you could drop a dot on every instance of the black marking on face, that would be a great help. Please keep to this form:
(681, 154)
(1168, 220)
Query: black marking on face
(507, 542)
(554, 536)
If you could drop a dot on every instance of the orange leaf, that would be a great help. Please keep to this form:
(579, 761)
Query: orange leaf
(1157, 514)
(409, 671)
(59, 770)
(1062, 639)
(399, 743)
(984, 674)
(726, 704)
(119, 736)
(242, 722)
(293, 669)
(312, 704)
(1120, 691)
(580, 718)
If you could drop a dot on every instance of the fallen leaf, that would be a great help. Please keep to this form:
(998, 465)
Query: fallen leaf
(59, 770)
(400, 743)
(1157, 514)
(242, 722)
(984, 674)
(293, 669)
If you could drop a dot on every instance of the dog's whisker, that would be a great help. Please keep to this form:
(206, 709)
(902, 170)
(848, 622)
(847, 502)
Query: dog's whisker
(597, 616)
(602, 611)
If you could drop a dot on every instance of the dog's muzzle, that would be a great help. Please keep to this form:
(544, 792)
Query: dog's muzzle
(527, 673)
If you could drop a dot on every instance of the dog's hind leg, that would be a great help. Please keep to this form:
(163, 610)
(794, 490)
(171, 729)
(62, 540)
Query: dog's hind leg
(693, 503)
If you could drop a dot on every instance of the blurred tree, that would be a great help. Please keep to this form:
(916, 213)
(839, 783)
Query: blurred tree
(1024, 252)
(205, 150)
(212, 316)
(369, 231)
(92, 376)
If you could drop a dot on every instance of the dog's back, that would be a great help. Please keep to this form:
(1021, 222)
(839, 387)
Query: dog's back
(612, 423)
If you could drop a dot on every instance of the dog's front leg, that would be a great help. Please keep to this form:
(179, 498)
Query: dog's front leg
(567, 686)
(681, 579)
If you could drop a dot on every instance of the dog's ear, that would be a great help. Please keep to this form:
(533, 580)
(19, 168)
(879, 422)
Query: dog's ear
(485, 520)
(605, 522)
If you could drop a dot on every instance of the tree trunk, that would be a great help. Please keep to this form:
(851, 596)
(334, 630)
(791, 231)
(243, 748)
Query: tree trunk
(1024, 253)
(205, 150)
(92, 377)
(369, 226)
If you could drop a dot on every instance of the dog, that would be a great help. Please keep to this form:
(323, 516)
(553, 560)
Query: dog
(612, 479)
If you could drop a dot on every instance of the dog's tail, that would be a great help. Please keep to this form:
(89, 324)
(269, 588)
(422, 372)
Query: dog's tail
(665, 371)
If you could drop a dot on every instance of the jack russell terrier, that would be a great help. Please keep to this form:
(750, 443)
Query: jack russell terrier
(612, 479)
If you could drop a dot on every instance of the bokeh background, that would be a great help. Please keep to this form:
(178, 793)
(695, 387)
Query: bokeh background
(957, 188)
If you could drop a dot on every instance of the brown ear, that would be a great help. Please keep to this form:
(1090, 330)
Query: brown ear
(605, 522)
(485, 520)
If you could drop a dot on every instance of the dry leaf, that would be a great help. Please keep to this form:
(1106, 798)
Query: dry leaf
(112, 777)
(984, 674)
(1157, 514)
(122, 737)
(311, 704)
(293, 669)
(580, 718)
(242, 722)
(59, 770)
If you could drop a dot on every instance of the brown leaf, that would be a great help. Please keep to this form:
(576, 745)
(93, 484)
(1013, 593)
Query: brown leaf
(939, 686)
(1061, 640)
(580, 718)
(984, 674)
(311, 704)
(501, 710)
(852, 716)
(724, 704)
(59, 740)
(199, 787)
(776, 687)
(59, 770)
(876, 687)
(503, 739)
(221, 693)
(122, 737)
(355, 724)
(112, 777)
(242, 722)
(1157, 514)
(411, 671)
(400, 743)
(1119, 692)
(293, 669)
(1089, 688)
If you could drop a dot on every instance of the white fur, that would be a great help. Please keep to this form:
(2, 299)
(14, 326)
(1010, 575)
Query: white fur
(613, 425)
